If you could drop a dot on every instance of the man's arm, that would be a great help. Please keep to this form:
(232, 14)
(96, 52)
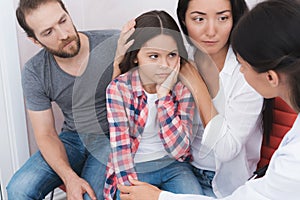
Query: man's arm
(55, 155)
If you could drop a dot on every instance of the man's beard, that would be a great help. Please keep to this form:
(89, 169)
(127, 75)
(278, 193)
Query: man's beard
(64, 54)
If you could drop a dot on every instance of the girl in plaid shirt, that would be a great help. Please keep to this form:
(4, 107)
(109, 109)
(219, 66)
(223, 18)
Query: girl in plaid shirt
(150, 113)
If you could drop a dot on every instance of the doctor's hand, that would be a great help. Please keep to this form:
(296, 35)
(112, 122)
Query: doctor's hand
(139, 191)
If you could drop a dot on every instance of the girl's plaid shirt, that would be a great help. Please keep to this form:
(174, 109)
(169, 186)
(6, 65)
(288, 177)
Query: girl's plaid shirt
(127, 114)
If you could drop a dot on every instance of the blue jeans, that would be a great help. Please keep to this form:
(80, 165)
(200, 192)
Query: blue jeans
(87, 154)
(169, 175)
(205, 178)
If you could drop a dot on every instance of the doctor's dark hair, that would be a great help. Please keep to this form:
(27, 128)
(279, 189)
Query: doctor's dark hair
(27, 6)
(238, 9)
(148, 26)
(268, 39)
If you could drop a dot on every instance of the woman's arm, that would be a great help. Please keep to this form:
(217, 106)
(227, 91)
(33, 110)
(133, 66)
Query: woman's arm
(237, 115)
(190, 77)
(240, 120)
(208, 71)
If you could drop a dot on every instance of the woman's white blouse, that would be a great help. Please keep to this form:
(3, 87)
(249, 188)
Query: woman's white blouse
(281, 182)
(235, 134)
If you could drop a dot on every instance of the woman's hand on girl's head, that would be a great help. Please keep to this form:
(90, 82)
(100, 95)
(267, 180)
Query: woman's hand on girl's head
(165, 87)
(123, 45)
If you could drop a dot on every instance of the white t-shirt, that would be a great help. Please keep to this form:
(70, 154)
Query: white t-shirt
(150, 147)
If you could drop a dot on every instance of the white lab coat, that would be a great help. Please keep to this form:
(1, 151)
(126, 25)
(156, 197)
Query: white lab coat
(281, 181)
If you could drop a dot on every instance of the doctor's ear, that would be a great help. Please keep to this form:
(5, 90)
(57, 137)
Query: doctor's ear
(272, 78)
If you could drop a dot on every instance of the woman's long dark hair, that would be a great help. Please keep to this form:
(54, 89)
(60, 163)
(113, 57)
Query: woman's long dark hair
(268, 39)
(148, 26)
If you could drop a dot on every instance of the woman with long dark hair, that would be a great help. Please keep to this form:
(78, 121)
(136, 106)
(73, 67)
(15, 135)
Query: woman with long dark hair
(232, 115)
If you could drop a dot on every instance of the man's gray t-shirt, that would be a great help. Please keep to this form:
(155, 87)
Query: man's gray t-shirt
(81, 99)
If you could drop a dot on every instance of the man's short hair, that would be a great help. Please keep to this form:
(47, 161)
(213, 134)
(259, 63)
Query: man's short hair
(27, 6)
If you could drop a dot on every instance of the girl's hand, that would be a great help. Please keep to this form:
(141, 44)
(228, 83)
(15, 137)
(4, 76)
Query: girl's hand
(166, 86)
(122, 47)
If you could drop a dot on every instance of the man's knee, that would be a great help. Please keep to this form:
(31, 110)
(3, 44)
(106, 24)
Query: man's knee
(26, 184)
(17, 189)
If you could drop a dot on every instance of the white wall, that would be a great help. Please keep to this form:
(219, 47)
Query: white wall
(252, 3)
(13, 135)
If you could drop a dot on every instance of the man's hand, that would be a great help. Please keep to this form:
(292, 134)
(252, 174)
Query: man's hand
(139, 191)
(76, 187)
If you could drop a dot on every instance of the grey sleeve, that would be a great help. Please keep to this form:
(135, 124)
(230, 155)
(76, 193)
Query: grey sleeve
(34, 91)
